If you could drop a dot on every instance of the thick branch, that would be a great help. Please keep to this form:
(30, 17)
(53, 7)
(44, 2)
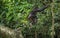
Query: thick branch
(9, 33)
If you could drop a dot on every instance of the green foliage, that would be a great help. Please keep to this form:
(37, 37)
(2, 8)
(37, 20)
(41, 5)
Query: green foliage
(14, 14)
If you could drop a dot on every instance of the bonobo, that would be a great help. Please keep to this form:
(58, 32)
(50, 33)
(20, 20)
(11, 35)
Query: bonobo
(32, 16)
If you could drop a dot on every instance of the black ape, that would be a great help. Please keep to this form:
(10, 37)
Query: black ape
(32, 16)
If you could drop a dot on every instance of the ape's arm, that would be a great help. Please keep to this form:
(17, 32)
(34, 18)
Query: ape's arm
(41, 9)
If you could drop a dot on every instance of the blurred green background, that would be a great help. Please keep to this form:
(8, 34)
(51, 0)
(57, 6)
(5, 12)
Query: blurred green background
(14, 14)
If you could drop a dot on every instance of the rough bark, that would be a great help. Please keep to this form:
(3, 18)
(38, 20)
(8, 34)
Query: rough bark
(6, 32)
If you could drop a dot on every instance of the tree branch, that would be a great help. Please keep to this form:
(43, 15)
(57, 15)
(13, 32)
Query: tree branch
(9, 33)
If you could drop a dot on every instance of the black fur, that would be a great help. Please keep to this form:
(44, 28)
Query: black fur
(32, 16)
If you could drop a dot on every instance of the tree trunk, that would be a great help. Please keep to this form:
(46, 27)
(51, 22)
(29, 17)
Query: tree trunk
(6, 32)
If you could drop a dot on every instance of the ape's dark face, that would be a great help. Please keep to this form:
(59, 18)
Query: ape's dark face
(32, 18)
